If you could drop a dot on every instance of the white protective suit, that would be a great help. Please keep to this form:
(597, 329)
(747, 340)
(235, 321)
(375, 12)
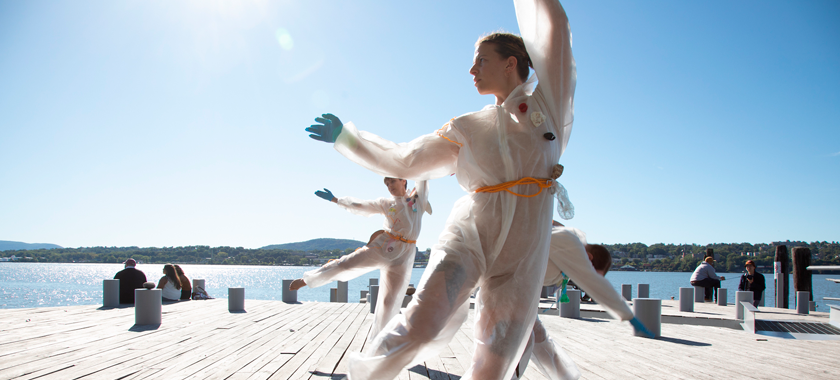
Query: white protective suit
(393, 257)
(568, 255)
(496, 241)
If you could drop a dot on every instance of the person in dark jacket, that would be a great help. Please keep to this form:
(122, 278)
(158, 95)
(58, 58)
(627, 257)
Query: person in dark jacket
(752, 281)
(130, 279)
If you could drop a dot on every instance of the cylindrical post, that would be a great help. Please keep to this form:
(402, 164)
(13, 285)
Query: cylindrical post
(289, 296)
(363, 296)
(570, 309)
(709, 253)
(198, 283)
(373, 281)
(643, 290)
(741, 296)
(544, 292)
(147, 306)
(780, 272)
(801, 275)
(803, 302)
(699, 294)
(236, 299)
(111, 293)
(342, 292)
(687, 299)
(722, 297)
(627, 291)
(374, 294)
(649, 312)
(333, 295)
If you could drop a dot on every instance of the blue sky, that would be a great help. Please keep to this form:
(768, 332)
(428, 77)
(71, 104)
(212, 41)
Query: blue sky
(155, 123)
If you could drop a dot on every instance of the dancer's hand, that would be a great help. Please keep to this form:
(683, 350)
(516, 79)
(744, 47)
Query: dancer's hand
(297, 284)
(328, 129)
(637, 324)
(326, 194)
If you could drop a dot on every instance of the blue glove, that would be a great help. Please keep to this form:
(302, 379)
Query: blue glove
(326, 194)
(637, 324)
(328, 130)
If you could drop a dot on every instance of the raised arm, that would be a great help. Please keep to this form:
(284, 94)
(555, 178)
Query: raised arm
(426, 157)
(548, 38)
(364, 207)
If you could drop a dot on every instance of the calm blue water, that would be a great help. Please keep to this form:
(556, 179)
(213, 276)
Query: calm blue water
(49, 284)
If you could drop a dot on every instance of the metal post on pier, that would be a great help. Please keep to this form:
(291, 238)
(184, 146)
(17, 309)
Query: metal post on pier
(741, 296)
(687, 299)
(649, 312)
(803, 303)
(626, 291)
(147, 305)
(780, 273)
(236, 299)
(802, 276)
(643, 290)
(289, 296)
(342, 291)
(374, 295)
(722, 297)
(570, 309)
(111, 293)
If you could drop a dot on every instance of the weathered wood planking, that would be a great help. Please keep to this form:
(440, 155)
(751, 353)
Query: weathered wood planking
(273, 340)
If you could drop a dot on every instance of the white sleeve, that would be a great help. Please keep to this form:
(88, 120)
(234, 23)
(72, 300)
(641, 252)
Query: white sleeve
(568, 254)
(363, 207)
(429, 156)
(548, 38)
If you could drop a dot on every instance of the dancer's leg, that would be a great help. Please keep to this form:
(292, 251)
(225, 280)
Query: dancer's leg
(363, 260)
(392, 286)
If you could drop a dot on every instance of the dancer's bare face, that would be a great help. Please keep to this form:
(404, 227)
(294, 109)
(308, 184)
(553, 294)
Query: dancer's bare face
(396, 186)
(488, 70)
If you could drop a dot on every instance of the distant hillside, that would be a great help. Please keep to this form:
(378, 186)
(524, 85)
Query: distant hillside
(318, 245)
(16, 245)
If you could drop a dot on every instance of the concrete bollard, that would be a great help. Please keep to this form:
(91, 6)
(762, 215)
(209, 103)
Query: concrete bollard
(373, 281)
(643, 290)
(236, 299)
(813, 306)
(627, 291)
(803, 302)
(722, 297)
(198, 283)
(374, 294)
(111, 293)
(342, 291)
(741, 296)
(333, 295)
(363, 296)
(687, 299)
(147, 306)
(570, 309)
(649, 312)
(289, 296)
(699, 294)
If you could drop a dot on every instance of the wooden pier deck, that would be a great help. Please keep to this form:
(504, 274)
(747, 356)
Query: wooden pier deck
(273, 340)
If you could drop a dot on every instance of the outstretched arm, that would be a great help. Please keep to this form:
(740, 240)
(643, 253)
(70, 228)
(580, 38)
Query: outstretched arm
(426, 157)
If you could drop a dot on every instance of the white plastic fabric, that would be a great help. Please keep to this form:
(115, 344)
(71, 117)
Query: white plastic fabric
(394, 258)
(568, 255)
(496, 241)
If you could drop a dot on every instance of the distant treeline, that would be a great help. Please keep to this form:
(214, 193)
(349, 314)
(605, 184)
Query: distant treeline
(656, 257)
(730, 257)
(200, 254)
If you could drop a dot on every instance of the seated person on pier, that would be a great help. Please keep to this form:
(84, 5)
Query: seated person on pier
(390, 250)
(752, 281)
(170, 283)
(705, 276)
(186, 286)
(130, 278)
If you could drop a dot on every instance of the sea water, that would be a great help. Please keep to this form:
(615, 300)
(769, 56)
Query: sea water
(24, 285)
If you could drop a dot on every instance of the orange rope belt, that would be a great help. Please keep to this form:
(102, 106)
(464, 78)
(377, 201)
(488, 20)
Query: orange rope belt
(441, 130)
(543, 183)
(400, 238)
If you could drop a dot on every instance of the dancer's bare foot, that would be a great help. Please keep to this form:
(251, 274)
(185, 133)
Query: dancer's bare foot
(297, 284)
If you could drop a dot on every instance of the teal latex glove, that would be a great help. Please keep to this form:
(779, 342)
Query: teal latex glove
(563, 297)
(326, 194)
(637, 324)
(328, 129)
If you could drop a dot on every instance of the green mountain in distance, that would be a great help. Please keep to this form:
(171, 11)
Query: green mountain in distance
(324, 244)
(6, 245)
